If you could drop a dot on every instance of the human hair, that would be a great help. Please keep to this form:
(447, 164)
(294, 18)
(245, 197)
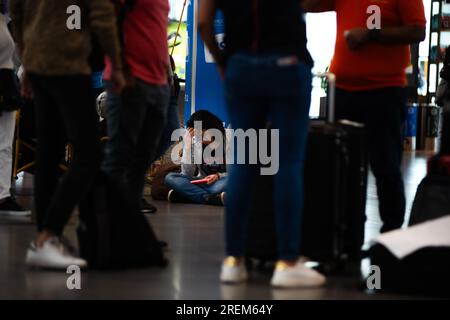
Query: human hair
(208, 120)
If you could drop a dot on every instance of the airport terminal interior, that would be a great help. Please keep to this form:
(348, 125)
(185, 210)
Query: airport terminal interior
(195, 232)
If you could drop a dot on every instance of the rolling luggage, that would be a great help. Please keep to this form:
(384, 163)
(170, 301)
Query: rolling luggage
(113, 236)
(333, 219)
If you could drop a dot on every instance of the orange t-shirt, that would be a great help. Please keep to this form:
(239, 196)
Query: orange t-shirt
(373, 66)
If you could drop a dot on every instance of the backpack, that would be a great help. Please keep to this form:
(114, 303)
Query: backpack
(159, 188)
(111, 236)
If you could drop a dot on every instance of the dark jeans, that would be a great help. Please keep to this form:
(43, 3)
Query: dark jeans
(196, 193)
(65, 108)
(383, 112)
(135, 123)
(258, 90)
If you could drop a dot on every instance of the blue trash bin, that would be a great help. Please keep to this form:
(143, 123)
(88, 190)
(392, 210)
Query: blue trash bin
(411, 127)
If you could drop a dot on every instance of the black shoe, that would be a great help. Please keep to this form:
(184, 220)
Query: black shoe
(146, 207)
(11, 207)
(216, 200)
(175, 197)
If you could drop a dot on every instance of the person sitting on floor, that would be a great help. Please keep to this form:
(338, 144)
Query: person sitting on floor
(212, 191)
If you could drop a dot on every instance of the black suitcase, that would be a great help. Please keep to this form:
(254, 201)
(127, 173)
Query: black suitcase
(111, 235)
(333, 219)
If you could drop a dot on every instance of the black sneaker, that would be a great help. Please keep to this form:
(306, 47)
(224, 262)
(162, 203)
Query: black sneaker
(216, 199)
(10, 207)
(147, 207)
(175, 197)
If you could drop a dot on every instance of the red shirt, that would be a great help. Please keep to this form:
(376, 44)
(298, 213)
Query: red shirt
(373, 66)
(145, 36)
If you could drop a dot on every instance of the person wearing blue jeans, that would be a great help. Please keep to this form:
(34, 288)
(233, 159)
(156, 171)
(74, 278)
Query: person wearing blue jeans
(213, 171)
(134, 132)
(173, 123)
(137, 117)
(201, 193)
(267, 73)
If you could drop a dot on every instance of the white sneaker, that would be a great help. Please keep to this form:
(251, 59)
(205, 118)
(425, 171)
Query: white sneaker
(297, 276)
(233, 271)
(53, 255)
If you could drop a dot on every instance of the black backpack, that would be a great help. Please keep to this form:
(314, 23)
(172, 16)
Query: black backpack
(112, 235)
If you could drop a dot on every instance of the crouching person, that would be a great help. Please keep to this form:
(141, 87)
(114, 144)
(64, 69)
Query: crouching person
(203, 182)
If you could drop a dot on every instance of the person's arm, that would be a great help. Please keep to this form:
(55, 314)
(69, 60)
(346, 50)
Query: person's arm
(317, 5)
(16, 12)
(207, 12)
(170, 75)
(412, 30)
(187, 167)
(102, 19)
(357, 38)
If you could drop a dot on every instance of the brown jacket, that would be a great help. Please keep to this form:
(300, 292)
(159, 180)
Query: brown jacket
(49, 47)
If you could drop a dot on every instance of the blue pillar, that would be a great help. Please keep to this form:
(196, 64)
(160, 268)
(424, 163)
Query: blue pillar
(204, 88)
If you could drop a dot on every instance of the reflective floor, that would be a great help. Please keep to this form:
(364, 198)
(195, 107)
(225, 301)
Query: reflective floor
(195, 236)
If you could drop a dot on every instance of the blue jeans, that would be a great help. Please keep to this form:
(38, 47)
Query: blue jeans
(136, 119)
(259, 90)
(196, 193)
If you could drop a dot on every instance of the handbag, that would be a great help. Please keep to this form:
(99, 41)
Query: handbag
(10, 98)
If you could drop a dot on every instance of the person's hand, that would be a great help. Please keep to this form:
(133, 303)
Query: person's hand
(118, 80)
(356, 38)
(212, 178)
(25, 87)
(171, 83)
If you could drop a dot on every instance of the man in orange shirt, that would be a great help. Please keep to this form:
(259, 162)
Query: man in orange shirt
(369, 62)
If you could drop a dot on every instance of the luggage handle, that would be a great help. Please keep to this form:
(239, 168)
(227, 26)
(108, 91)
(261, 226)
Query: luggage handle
(331, 77)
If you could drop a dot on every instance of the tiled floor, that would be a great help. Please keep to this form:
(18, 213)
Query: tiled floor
(195, 236)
